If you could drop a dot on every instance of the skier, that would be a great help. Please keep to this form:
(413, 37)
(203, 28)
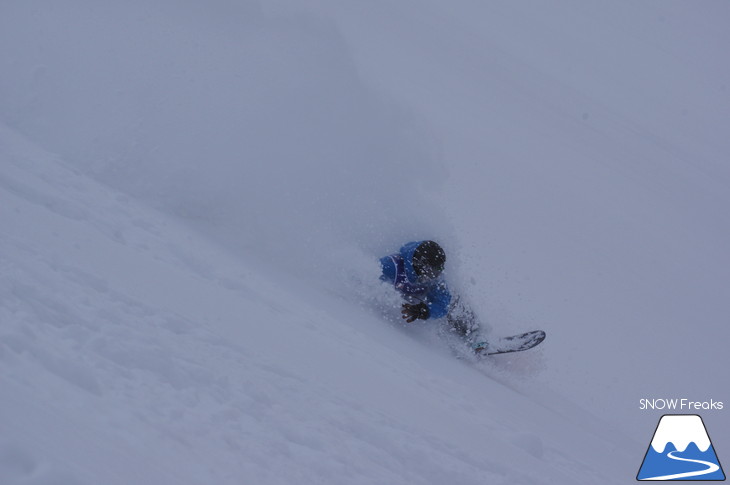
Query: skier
(416, 273)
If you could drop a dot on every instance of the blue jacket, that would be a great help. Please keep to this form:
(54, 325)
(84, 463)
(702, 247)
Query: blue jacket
(398, 271)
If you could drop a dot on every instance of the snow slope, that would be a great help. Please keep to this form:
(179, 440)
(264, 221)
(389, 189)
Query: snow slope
(193, 197)
(136, 352)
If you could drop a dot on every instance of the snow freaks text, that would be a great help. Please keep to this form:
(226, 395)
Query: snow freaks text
(679, 404)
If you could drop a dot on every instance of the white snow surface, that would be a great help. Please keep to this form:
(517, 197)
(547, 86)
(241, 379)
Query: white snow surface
(680, 430)
(194, 195)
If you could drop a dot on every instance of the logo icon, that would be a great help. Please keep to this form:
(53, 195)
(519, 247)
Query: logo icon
(680, 450)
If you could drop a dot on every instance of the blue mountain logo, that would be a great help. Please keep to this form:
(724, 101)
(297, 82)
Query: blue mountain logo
(681, 450)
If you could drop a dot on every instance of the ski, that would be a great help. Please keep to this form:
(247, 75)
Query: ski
(514, 343)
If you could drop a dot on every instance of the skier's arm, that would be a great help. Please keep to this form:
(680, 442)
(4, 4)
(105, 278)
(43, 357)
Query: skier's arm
(412, 312)
(388, 267)
(438, 300)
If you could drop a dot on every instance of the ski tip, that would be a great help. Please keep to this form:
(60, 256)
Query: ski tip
(515, 343)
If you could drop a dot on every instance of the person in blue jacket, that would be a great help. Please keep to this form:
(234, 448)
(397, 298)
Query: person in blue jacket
(416, 273)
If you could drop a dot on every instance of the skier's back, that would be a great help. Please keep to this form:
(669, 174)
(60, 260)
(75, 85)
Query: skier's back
(416, 272)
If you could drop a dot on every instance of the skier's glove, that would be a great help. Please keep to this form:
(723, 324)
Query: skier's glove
(415, 312)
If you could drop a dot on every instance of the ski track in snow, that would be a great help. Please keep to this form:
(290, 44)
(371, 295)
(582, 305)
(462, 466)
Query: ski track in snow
(711, 467)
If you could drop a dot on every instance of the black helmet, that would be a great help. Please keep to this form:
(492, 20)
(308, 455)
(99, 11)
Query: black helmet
(429, 259)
